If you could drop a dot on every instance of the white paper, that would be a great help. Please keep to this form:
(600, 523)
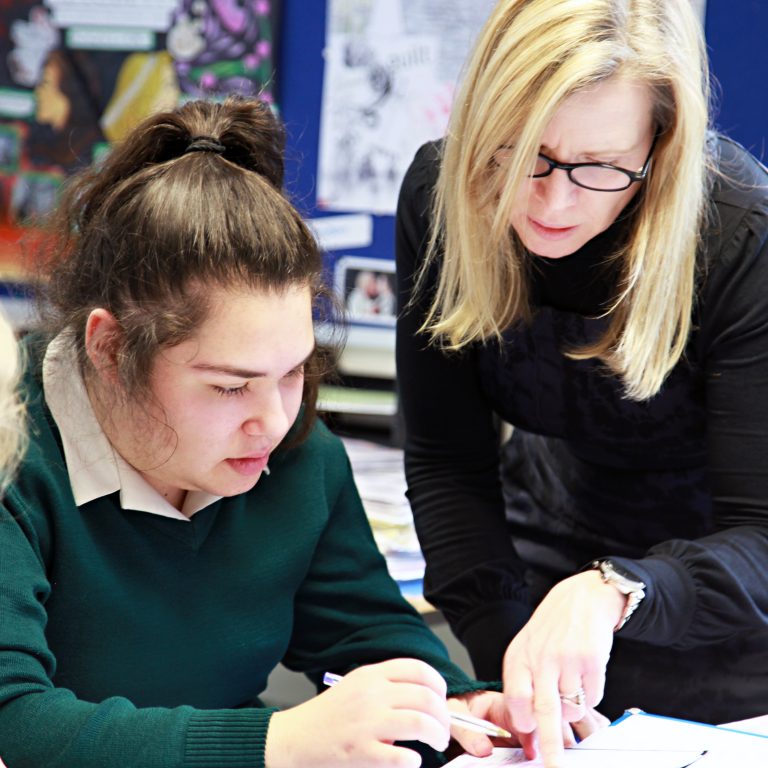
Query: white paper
(725, 748)
(576, 758)
(16, 103)
(752, 725)
(151, 14)
(647, 741)
(337, 233)
(391, 68)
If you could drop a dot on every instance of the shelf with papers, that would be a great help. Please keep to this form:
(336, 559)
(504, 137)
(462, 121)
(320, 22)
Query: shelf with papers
(380, 478)
(357, 400)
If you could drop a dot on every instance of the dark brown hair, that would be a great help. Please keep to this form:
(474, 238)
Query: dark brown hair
(147, 234)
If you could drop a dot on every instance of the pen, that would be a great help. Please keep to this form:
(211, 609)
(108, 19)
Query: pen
(463, 721)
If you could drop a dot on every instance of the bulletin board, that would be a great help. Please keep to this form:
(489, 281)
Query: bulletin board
(76, 76)
(739, 60)
(364, 84)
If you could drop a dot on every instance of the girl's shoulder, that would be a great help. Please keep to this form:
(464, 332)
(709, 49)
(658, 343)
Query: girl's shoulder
(321, 452)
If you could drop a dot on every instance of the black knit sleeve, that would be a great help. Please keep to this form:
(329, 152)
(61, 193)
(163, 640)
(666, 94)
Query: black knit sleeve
(710, 589)
(451, 454)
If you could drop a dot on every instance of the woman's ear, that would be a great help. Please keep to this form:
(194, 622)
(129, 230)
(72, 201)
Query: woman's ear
(102, 338)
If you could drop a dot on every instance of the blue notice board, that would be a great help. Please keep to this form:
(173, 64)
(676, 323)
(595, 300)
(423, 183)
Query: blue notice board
(300, 62)
(736, 37)
(739, 59)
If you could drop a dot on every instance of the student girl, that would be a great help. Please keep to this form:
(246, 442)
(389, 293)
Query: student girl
(180, 523)
(583, 259)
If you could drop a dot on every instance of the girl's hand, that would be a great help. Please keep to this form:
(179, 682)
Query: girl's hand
(491, 706)
(563, 649)
(355, 722)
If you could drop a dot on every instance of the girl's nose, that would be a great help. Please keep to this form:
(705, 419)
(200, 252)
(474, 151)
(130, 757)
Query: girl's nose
(270, 418)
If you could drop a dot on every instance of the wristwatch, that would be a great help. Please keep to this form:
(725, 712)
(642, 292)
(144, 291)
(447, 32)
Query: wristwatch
(633, 589)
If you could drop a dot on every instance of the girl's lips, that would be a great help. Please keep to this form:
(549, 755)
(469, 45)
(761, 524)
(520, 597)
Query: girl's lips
(550, 233)
(249, 466)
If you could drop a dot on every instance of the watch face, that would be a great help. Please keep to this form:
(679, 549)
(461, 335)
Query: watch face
(619, 571)
(616, 574)
(624, 583)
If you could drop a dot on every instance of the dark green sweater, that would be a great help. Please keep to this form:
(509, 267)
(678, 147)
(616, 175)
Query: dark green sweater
(130, 639)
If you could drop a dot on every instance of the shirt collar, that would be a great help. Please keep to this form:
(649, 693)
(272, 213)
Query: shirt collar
(95, 468)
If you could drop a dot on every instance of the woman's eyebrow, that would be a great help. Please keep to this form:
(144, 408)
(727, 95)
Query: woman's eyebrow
(607, 150)
(241, 373)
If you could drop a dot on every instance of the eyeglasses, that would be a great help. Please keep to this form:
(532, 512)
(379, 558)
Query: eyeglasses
(600, 177)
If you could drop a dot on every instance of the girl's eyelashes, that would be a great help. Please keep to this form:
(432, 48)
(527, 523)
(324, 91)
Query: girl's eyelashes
(241, 389)
(230, 391)
(298, 371)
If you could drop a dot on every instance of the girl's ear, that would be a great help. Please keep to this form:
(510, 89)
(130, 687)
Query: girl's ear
(102, 339)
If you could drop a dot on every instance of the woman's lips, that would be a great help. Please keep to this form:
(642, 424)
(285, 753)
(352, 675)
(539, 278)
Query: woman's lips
(249, 466)
(549, 233)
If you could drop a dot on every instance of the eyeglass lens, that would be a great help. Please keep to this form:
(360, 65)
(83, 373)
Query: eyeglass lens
(592, 176)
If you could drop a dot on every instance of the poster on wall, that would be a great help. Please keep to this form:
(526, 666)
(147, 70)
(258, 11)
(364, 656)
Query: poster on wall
(391, 69)
(77, 75)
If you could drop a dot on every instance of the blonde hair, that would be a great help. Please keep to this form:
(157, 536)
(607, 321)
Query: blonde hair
(530, 57)
(11, 411)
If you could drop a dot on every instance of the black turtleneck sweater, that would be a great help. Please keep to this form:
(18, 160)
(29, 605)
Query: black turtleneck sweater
(674, 488)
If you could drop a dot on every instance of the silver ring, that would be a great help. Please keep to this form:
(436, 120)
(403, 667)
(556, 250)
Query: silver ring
(577, 698)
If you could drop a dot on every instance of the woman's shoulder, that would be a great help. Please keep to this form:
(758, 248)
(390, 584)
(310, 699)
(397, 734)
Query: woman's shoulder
(738, 221)
(740, 187)
(741, 180)
(733, 279)
(421, 176)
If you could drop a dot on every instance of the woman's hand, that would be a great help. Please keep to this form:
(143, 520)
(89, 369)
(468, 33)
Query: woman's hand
(562, 650)
(355, 722)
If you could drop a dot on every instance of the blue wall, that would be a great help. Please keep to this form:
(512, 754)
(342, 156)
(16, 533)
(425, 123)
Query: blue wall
(300, 67)
(737, 36)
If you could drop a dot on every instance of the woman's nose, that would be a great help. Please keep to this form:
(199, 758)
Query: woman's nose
(556, 189)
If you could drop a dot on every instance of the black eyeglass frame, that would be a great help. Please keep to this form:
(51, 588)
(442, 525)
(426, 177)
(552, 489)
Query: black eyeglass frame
(632, 176)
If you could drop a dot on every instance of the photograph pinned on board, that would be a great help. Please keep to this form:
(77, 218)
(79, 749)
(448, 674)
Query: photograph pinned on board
(367, 288)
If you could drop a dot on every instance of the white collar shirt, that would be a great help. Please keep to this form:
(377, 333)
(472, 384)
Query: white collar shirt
(95, 468)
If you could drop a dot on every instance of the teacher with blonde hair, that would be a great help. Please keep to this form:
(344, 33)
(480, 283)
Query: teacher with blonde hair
(583, 258)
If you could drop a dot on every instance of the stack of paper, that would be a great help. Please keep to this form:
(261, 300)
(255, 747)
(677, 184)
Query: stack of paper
(640, 740)
(380, 478)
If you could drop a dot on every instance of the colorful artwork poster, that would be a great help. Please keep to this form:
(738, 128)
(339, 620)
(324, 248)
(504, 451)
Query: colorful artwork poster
(77, 75)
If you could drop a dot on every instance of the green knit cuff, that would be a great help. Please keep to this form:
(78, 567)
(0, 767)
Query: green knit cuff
(459, 687)
(231, 738)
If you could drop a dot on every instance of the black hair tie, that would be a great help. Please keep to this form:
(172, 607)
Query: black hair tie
(204, 144)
